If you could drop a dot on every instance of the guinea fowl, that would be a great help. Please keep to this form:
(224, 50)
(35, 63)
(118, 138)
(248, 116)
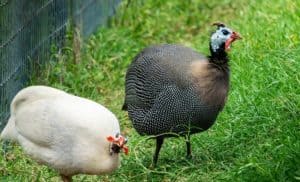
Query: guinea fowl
(172, 90)
(68, 133)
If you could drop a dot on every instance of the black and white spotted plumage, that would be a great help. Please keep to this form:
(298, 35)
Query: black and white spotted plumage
(174, 90)
(160, 97)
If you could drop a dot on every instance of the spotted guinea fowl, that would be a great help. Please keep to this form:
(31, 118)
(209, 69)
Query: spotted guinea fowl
(68, 133)
(172, 90)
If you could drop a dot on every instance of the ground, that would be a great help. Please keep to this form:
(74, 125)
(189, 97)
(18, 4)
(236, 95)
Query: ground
(255, 138)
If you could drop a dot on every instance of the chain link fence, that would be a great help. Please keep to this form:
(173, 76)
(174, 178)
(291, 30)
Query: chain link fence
(29, 29)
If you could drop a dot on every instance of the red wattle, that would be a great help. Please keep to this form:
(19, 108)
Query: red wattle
(126, 150)
(228, 42)
(110, 138)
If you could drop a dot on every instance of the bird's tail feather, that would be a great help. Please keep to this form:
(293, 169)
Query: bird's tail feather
(9, 132)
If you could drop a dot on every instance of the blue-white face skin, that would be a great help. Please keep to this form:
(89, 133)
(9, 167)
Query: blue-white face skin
(219, 37)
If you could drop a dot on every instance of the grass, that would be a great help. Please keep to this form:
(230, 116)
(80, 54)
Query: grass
(256, 137)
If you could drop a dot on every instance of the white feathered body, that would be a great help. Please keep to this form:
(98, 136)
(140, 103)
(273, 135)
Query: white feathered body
(63, 131)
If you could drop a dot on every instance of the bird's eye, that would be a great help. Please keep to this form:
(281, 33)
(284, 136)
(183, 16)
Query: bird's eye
(225, 32)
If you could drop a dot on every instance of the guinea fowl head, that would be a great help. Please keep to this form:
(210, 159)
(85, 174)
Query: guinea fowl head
(220, 42)
(117, 143)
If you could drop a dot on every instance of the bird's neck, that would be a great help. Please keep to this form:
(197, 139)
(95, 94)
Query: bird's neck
(218, 56)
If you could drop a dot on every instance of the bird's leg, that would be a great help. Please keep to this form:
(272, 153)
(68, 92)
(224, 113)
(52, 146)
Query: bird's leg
(188, 147)
(159, 142)
(66, 178)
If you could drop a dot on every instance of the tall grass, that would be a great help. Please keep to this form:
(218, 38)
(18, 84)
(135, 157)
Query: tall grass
(256, 137)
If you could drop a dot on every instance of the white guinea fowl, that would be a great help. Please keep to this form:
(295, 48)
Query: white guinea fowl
(68, 133)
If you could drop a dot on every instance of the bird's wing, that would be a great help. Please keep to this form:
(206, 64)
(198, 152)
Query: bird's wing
(34, 122)
(154, 69)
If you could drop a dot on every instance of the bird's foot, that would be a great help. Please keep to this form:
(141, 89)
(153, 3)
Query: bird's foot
(189, 156)
(152, 166)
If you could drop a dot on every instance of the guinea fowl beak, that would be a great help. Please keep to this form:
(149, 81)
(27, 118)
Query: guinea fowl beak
(234, 36)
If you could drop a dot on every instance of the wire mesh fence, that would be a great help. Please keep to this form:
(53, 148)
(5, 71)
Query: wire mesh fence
(28, 30)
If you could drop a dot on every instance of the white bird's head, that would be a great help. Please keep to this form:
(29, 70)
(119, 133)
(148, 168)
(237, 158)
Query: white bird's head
(118, 143)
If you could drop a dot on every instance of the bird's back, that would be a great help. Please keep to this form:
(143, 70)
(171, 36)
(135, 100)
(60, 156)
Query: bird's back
(161, 94)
